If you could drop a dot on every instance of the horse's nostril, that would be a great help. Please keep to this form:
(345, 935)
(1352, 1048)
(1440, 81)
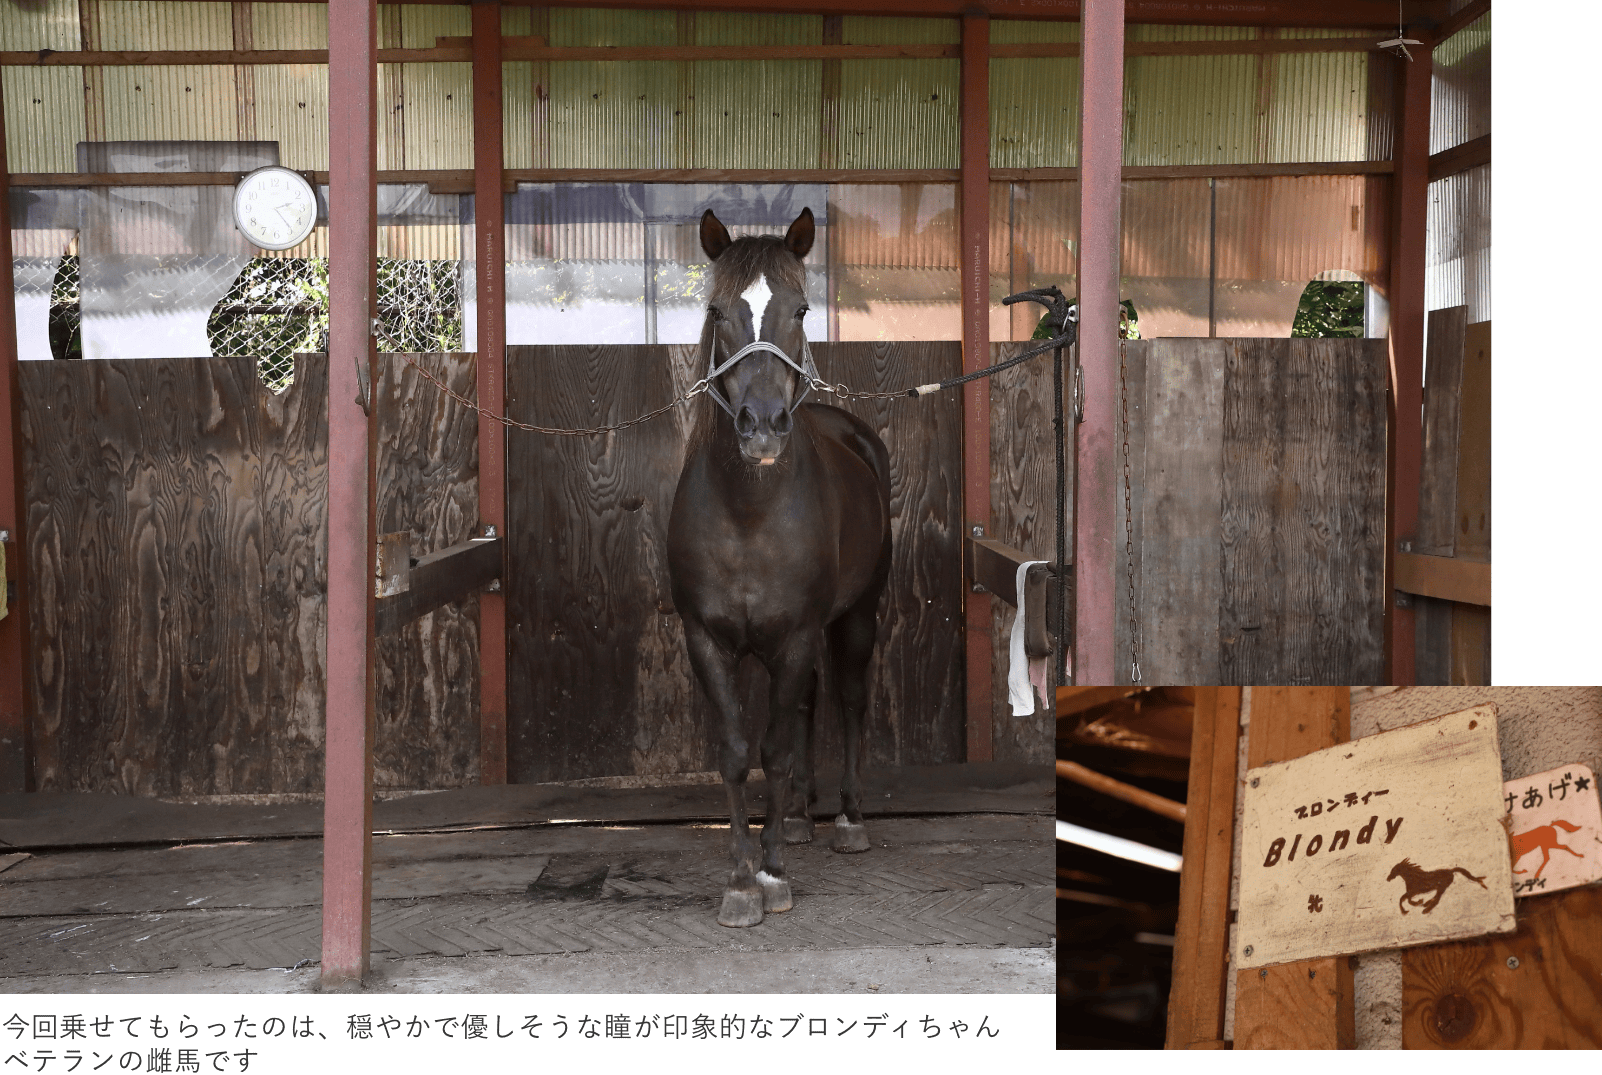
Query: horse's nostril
(781, 423)
(745, 422)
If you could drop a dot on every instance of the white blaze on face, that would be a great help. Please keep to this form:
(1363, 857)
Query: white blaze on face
(757, 296)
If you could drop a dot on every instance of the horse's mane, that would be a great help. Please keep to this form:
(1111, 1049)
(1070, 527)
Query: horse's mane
(735, 270)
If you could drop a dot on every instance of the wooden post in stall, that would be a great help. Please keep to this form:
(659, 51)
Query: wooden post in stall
(1101, 151)
(15, 710)
(975, 260)
(1306, 1004)
(489, 244)
(1409, 213)
(352, 302)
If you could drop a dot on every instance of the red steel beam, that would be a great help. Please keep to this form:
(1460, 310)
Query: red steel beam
(1101, 148)
(975, 356)
(352, 301)
(15, 725)
(489, 244)
(1409, 211)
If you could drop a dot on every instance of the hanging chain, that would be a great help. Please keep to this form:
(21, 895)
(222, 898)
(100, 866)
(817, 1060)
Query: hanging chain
(1129, 527)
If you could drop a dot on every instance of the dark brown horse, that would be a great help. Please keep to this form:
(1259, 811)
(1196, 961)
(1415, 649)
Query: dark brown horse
(778, 546)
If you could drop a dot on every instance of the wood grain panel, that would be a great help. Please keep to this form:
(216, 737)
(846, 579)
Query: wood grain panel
(1473, 535)
(599, 682)
(1464, 995)
(1307, 1004)
(428, 484)
(1023, 514)
(1182, 475)
(1443, 386)
(177, 544)
(1201, 948)
(1303, 511)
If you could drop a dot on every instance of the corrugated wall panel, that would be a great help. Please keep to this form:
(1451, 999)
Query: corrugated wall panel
(292, 109)
(289, 26)
(1319, 107)
(1296, 227)
(1034, 104)
(876, 30)
(1192, 110)
(1460, 92)
(517, 95)
(600, 26)
(719, 28)
(165, 24)
(439, 114)
(1458, 244)
(171, 103)
(52, 24)
(898, 226)
(614, 115)
(423, 24)
(899, 113)
(44, 117)
(756, 114)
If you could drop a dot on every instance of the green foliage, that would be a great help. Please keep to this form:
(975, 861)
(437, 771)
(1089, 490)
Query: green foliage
(1329, 308)
(1128, 323)
(277, 308)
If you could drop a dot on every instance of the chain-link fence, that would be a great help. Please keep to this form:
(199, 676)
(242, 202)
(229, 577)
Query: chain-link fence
(278, 308)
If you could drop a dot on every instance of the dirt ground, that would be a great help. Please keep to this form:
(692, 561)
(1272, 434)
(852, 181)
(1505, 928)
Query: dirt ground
(173, 899)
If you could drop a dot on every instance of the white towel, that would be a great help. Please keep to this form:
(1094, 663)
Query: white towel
(1020, 691)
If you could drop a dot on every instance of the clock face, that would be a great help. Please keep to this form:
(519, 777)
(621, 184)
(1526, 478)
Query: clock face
(275, 208)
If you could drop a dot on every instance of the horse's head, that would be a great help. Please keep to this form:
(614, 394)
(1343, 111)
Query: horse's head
(1401, 868)
(758, 293)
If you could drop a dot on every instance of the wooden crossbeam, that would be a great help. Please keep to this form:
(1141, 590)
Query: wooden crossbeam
(1444, 577)
(994, 566)
(1459, 159)
(438, 579)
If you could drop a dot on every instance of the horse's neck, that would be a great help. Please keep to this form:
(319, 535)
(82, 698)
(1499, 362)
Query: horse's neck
(747, 488)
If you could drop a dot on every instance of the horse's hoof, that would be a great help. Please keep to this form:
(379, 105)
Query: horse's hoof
(775, 893)
(741, 908)
(798, 830)
(849, 839)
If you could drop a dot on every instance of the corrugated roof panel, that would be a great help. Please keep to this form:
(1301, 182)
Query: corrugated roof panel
(756, 113)
(1165, 32)
(889, 30)
(895, 226)
(1460, 92)
(44, 117)
(289, 26)
(171, 103)
(517, 94)
(1165, 228)
(1046, 226)
(1296, 227)
(52, 24)
(292, 109)
(165, 24)
(1034, 113)
(899, 113)
(1192, 109)
(727, 28)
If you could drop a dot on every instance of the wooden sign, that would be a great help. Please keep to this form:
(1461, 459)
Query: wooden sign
(1388, 841)
(1554, 830)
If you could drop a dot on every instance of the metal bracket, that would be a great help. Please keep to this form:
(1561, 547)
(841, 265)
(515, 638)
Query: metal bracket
(1079, 393)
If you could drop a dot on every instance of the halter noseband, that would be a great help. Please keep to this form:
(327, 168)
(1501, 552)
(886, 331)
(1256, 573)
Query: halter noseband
(808, 371)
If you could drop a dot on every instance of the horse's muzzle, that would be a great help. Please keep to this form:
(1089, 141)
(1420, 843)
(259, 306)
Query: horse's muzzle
(762, 439)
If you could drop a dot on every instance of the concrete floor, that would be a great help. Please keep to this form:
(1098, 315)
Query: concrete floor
(950, 903)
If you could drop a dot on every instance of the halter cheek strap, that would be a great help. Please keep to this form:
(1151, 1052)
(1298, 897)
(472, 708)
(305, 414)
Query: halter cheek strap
(808, 370)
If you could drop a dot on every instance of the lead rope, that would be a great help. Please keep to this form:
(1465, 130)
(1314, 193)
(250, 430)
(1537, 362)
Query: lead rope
(1129, 525)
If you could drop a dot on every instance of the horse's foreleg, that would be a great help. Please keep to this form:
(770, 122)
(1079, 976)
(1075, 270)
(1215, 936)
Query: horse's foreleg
(798, 826)
(715, 667)
(851, 647)
(792, 689)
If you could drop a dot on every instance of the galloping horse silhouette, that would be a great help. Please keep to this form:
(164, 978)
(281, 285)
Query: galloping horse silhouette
(1545, 838)
(1420, 881)
(778, 546)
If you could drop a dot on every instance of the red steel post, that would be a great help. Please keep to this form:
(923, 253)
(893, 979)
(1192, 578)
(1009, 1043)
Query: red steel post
(975, 356)
(353, 302)
(14, 663)
(489, 244)
(1409, 213)
(1100, 173)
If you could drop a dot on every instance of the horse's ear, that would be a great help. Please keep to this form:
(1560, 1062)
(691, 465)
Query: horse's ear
(798, 240)
(714, 236)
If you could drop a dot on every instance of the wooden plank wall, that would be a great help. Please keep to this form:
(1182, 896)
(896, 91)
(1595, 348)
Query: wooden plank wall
(176, 523)
(1453, 638)
(1023, 510)
(1258, 489)
(598, 680)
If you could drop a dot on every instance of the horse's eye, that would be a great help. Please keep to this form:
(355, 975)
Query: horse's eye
(802, 312)
(717, 314)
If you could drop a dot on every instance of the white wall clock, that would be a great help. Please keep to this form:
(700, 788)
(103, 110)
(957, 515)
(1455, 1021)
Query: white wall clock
(275, 208)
